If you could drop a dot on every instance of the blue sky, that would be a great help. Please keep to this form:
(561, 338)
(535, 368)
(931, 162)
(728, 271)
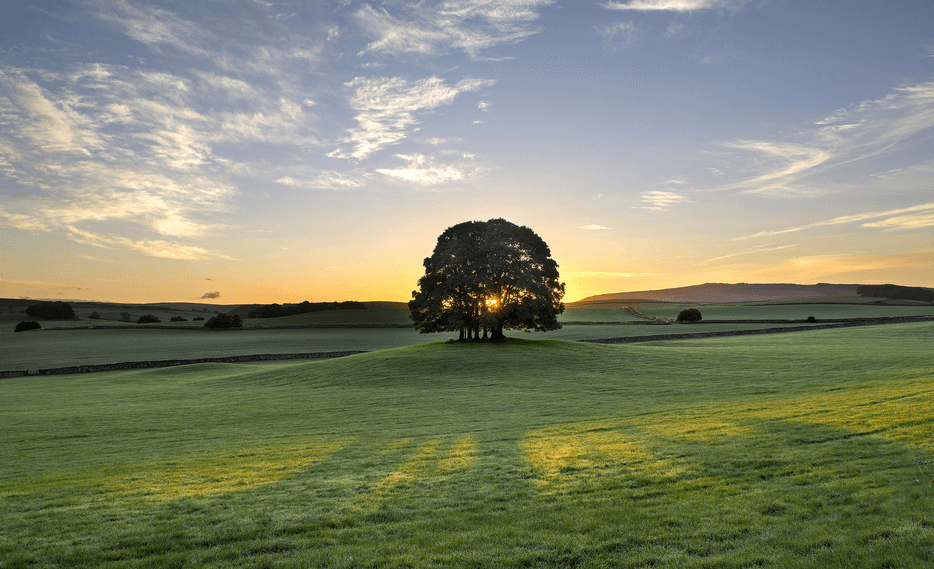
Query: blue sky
(284, 151)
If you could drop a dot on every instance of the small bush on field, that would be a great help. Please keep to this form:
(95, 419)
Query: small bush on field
(24, 326)
(812, 319)
(178, 319)
(197, 318)
(225, 321)
(148, 319)
(126, 316)
(690, 315)
(94, 315)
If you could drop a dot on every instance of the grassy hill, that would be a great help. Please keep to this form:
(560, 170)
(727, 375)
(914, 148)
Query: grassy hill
(721, 292)
(796, 450)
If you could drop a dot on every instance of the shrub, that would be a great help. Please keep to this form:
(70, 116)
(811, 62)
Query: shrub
(690, 315)
(94, 315)
(225, 321)
(24, 326)
(51, 310)
(812, 319)
(197, 318)
(126, 316)
(147, 319)
(178, 319)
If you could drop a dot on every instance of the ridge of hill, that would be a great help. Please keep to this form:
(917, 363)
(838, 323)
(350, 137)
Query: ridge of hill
(723, 292)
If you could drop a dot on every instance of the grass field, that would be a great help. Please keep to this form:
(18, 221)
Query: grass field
(796, 450)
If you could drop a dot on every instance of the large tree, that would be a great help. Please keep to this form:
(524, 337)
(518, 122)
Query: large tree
(490, 276)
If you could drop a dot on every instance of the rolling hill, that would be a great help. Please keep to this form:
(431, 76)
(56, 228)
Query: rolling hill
(720, 292)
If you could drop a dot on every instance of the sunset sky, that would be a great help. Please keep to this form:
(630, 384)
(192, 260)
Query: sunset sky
(262, 151)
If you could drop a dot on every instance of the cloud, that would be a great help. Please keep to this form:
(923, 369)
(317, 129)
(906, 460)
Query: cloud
(742, 253)
(209, 279)
(661, 200)
(427, 171)
(425, 30)
(674, 5)
(920, 216)
(913, 221)
(215, 294)
(673, 29)
(324, 180)
(618, 34)
(841, 143)
(594, 227)
(387, 107)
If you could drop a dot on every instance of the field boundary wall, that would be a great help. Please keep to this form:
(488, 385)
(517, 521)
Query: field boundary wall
(91, 368)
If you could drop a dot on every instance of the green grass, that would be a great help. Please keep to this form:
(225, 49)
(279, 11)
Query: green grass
(780, 311)
(44, 349)
(793, 450)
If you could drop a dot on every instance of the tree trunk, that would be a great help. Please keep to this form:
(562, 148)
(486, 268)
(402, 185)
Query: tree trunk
(461, 337)
(484, 333)
(498, 335)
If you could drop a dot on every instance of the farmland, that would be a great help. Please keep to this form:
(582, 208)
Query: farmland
(792, 450)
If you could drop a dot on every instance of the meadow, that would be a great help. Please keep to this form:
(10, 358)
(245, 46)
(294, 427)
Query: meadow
(84, 341)
(794, 450)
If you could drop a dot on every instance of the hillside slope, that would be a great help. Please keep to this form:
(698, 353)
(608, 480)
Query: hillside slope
(721, 292)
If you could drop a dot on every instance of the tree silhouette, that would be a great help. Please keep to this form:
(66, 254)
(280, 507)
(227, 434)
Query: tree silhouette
(488, 276)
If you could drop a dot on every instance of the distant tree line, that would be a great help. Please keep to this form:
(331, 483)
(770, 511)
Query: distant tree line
(279, 310)
(896, 292)
(51, 310)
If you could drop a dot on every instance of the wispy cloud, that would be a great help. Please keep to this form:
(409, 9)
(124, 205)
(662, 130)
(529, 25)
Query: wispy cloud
(387, 107)
(674, 5)
(752, 252)
(594, 227)
(858, 134)
(920, 215)
(618, 34)
(331, 180)
(661, 200)
(430, 171)
(215, 294)
(471, 26)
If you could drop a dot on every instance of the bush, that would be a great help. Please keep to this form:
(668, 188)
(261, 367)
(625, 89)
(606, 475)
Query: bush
(812, 319)
(147, 319)
(24, 326)
(197, 318)
(690, 315)
(178, 319)
(126, 316)
(94, 315)
(225, 321)
(51, 310)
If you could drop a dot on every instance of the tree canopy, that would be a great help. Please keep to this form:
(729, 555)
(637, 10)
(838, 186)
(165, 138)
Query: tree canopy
(57, 310)
(897, 292)
(488, 275)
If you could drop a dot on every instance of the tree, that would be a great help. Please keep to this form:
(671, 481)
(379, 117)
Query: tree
(26, 326)
(224, 321)
(488, 276)
(94, 315)
(148, 319)
(57, 310)
(690, 315)
(178, 319)
(897, 292)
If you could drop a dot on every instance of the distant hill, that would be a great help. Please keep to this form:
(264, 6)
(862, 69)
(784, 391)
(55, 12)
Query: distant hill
(720, 292)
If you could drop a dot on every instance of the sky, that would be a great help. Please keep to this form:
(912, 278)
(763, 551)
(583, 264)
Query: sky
(262, 151)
